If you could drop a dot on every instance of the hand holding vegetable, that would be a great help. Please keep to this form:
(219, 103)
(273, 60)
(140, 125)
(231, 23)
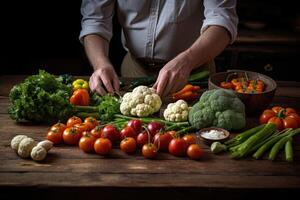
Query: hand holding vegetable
(104, 79)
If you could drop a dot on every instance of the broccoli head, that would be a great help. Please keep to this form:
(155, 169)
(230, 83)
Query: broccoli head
(219, 108)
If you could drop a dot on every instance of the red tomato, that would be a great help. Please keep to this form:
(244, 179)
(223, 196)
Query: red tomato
(128, 132)
(143, 138)
(86, 133)
(128, 145)
(290, 122)
(162, 140)
(102, 146)
(190, 138)
(71, 136)
(178, 146)
(266, 115)
(276, 109)
(73, 120)
(295, 116)
(154, 127)
(149, 150)
(195, 152)
(135, 124)
(289, 111)
(55, 136)
(96, 132)
(82, 127)
(277, 121)
(91, 122)
(110, 132)
(86, 143)
(173, 133)
(60, 127)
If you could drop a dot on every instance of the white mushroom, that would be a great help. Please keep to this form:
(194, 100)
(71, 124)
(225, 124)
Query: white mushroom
(16, 141)
(38, 153)
(25, 147)
(46, 144)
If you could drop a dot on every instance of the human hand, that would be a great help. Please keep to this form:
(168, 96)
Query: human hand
(104, 79)
(173, 76)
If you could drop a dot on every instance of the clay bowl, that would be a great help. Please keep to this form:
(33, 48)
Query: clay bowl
(254, 103)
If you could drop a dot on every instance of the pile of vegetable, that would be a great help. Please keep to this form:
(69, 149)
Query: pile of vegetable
(257, 141)
(282, 117)
(219, 108)
(187, 93)
(40, 98)
(47, 98)
(243, 84)
(144, 133)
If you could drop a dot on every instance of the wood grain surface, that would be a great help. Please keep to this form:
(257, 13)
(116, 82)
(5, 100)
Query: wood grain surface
(68, 167)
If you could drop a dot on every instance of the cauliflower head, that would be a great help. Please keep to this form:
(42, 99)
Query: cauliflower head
(177, 112)
(16, 141)
(25, 147)
(141, 102)
(38, 153)
(220, 108)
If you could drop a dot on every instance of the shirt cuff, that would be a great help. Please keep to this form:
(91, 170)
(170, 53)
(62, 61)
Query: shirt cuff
(232, 29)
(95, 29)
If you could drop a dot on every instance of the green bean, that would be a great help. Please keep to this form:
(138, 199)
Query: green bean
(269, 144)
(289, 155)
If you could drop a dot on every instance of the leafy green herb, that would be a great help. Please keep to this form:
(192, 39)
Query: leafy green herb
(40, 98)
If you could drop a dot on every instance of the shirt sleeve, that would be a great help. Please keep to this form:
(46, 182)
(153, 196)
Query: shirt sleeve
(222, 13)
(97, 18)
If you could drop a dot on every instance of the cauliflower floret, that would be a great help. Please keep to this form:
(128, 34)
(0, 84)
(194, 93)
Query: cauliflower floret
(177, 112)
(16, 141)
(141, 102)
(25, 147)
(38, 153)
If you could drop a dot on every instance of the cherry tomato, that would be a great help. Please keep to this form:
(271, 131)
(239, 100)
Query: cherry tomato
(277, 121)
(266, 115)
(173, 133)
(162, 140)
(128, 145)
(128, 132)
(276, 109)
(102, 146)
(154, 127)
(290, 122)
(110, 132)
(178, 146)
(86, 143)
(91, 122)
(149, 150)
(60, 127)
(71, 136)
(190, 138)
(143, 138)
(135, 124)
(96, 132)
(86, 133)
(55, 136)
(195, 152)
(82, 127)
(73, 120)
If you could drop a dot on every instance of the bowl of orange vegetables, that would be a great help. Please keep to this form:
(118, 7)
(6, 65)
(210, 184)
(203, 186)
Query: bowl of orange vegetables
(255, 90)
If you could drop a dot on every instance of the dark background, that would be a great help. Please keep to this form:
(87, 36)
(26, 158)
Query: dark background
(44, 35)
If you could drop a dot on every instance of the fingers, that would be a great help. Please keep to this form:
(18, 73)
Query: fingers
(104, 78)
(162, 82)
(116, 84)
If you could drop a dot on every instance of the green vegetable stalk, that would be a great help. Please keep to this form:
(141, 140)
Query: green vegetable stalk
(289, 155)
(240, 138)
(246, 146)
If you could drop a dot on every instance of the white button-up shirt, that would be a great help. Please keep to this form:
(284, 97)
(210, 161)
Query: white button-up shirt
(157, 29)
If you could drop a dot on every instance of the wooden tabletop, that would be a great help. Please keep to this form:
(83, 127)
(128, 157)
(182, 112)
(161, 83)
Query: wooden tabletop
(68, 167)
